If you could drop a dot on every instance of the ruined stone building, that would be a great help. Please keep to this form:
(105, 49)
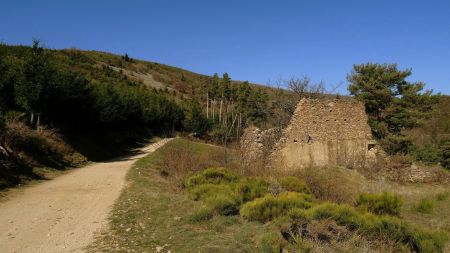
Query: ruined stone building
(323, 132)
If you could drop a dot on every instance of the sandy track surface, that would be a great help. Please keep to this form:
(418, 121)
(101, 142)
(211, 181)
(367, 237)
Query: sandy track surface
(62, 215)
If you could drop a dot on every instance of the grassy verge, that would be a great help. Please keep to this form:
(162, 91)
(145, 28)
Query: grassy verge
(152, 214)
(166, 207)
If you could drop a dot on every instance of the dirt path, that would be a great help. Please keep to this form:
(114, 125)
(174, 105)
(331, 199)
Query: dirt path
(61, 215)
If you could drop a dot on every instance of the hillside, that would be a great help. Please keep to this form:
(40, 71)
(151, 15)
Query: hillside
(180, 84)
(60, 108)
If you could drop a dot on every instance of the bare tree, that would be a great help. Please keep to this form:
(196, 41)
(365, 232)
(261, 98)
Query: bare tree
(298, 85)
(304, 88)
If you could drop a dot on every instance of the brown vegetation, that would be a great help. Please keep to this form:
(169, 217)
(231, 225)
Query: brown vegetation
(23, 149)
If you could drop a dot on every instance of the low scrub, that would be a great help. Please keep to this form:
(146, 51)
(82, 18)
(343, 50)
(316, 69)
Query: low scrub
(211, 176)
(177, 160)
(221, 191)
(204, 191)
(271, 206)
(271, 243)
(224, 204)
(373, 226)
(381, 203)
(294, 184)
(425, 206)
(442, 196)
(250, 189)
(335, 184)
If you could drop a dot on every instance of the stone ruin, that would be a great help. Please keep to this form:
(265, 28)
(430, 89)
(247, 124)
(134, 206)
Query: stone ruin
(321, 132)
(256, 145)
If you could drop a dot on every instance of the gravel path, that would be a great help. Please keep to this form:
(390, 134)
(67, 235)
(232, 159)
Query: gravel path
(62, 215)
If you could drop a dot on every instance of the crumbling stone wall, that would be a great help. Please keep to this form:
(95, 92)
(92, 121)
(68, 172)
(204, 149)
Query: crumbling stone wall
(256, 145)
(326, 132)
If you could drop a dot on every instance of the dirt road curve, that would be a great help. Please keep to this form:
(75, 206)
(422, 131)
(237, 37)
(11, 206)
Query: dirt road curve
(61, 215)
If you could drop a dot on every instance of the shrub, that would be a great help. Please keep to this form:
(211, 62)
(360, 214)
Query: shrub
(425, 206)
(428, 154)
(396, 145)
(294, 184)
(224, 204)
(177, 160)
(442, 196)
(250, 189)
(271, 206)
(445, 147)
(219, 203)
(343, 188)
(382, 203)
(384, 227)
(204, 191)
(271, 243)
(211, 176)
(204, 213)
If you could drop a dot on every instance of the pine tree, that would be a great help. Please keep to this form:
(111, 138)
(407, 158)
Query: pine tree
(392, 103)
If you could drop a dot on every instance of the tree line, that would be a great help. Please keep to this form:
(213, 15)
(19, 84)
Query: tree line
(36, 90)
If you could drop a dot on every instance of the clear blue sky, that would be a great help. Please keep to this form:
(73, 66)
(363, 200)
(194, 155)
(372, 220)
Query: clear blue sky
(252, 40)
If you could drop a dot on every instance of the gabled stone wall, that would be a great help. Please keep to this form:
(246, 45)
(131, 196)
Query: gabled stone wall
(325, 132)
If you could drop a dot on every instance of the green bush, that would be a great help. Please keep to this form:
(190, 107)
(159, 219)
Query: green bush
(250, 189)
(425, 206)
(204, 191)
(270, 206)
(384, 227)
(428, 154)
(445, 147)
(211, 176)
(271, 243)
(220, 203)
(396, 144)
(223, 204)
(382, 203)
(204, 213)
(294, 184)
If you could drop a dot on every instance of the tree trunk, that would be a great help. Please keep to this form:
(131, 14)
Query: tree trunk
(207, 105)
(213, 102)
(220, 110)
(38, 122)
(32, 118)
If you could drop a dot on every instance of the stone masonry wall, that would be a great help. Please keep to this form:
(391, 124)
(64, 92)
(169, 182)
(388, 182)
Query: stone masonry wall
(256, 145)
(325, 132)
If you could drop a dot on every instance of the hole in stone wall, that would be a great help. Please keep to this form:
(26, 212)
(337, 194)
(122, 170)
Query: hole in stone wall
(370, 146)
(295, 140)
(345, 119)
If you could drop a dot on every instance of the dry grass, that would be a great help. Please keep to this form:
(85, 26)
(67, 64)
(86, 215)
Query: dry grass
(28, 154)
(335, 184)
(150, 215)
(183, 157)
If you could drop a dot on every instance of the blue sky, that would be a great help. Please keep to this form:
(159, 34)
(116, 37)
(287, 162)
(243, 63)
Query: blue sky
(251, 40)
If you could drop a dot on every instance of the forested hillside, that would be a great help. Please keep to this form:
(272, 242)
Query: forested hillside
(61, 107)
